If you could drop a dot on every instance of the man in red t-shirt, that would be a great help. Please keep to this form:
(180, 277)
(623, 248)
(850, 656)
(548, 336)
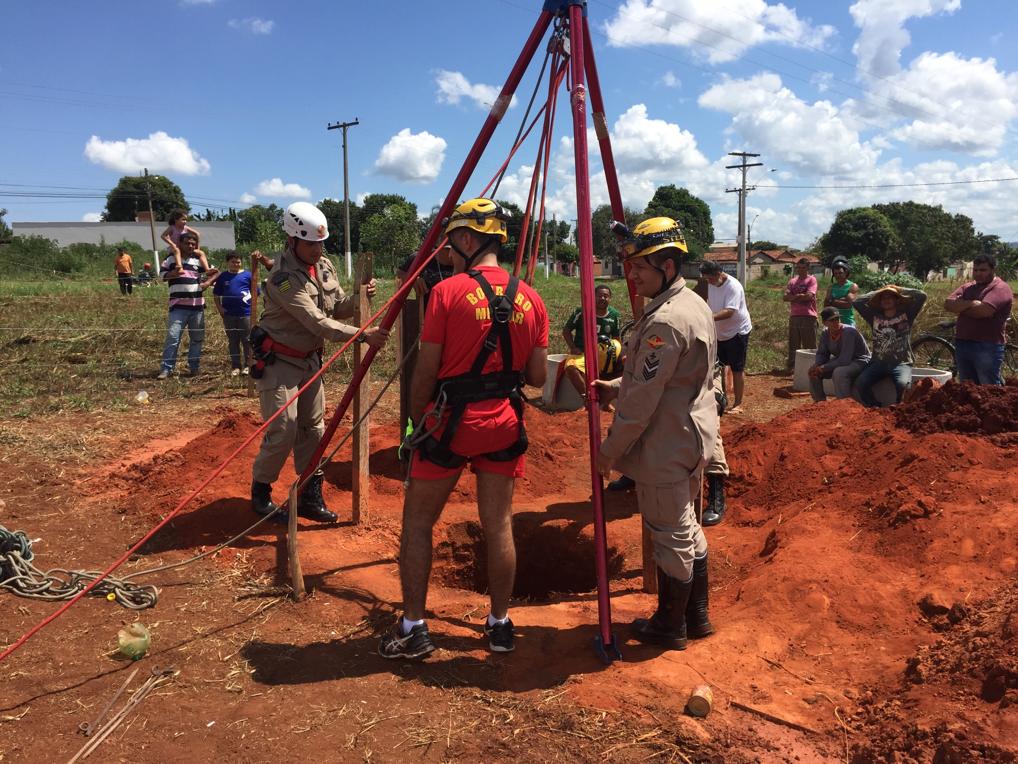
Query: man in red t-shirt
(983, 307)
(469, 414)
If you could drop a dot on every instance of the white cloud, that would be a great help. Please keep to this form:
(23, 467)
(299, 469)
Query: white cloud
(454, 87)
(669, 80)
(719, 31)
(247, 198)
(159, 152)
(254, 25)
(275, 188)
(412, 157)
(359, 199)
(883, 35)
(964, 105)
(91, 217)
(810, 138)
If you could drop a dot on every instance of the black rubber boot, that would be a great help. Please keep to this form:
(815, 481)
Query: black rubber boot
(622, 484)
(715, 500)
(261, 501)
(311, 504)
(698, 625)
(667, 627)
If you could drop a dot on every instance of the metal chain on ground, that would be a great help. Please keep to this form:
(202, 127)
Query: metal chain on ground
(20, 576)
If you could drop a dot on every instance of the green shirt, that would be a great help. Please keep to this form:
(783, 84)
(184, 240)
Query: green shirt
(838, 292)
(609, 325)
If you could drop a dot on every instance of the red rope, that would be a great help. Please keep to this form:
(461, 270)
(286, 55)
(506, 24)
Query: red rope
(400, 294)
(216, 473)
(549, 133)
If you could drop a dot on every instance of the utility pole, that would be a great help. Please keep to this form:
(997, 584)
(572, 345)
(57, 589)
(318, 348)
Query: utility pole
(346, 193)
(151, 217)
(742, 205)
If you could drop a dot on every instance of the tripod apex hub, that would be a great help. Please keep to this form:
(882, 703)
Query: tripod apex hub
(561, 7)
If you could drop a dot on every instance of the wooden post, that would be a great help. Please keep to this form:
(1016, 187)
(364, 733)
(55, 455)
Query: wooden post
(254, 316)
(296, 572)
(409, 332)
(361, 440)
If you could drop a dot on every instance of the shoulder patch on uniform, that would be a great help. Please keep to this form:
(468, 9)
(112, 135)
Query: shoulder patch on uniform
(654, 341)
(282, 281)
(650, 366)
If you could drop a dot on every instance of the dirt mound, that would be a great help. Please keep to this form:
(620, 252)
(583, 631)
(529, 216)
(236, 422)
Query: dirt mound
(968, 408)
(975, 664)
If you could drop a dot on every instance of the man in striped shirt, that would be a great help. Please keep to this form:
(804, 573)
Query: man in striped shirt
(187, 305)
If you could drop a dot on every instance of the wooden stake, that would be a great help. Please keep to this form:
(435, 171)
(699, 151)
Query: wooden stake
(296, 572)
(361, 439)
(254, 316)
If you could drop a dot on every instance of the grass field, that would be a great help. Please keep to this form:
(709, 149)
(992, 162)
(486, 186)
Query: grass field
(78, 345)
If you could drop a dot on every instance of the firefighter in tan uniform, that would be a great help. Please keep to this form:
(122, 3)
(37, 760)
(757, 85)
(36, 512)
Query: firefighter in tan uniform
(302, 300)
(666, 423)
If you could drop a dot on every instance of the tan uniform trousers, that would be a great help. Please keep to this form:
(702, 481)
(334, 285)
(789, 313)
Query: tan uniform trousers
(668, 515)
(299, 428)
(717, 465)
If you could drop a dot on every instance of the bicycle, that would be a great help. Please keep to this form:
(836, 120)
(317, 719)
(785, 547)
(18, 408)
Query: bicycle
(936, 350)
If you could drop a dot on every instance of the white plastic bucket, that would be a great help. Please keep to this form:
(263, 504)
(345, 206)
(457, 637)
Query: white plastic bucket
(565, 398)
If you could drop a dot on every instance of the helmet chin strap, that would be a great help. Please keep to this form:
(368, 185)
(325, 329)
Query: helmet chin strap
(469, 259)
(665, 283)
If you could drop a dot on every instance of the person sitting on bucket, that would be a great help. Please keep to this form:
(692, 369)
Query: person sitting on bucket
(609, 349)
(485, 334)
(666, 422)
(302, 300)
(842, 355)
(890, 311)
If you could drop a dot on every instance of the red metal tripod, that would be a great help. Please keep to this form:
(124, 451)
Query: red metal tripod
(572, 14)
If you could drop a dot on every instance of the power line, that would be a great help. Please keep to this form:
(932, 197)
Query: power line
(913, 185)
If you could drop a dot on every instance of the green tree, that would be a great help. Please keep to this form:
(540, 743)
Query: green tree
(864, 232)
(128, 198)
(392, 234)
(758, 245)
(565, 253)
(929, 236)
(253, 225)
(691, 211)
(5, 230)
(605, 242)
(376, 203)
(333, 209)
(514, 227)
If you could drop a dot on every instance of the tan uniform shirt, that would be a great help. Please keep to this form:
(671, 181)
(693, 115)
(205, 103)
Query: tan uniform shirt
(300, 311)
(666, 416)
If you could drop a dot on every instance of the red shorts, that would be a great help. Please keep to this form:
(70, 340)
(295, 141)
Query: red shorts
(484, 429)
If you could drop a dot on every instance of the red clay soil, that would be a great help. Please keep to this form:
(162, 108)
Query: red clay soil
(967, 408)
(862, 588)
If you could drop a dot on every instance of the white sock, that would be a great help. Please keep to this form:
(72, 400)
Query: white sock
(492, 620)
(407, 625)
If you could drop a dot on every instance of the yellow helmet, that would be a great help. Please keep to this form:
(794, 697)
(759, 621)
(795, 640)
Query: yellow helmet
(609, 353)
(653, 235)
(481, 215)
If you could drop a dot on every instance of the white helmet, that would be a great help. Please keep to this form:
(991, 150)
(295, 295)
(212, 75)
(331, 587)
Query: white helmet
(305, 221)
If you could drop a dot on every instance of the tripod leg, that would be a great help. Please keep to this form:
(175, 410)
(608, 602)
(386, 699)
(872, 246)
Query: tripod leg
(607, 158)
(584, 238)
(498, 109)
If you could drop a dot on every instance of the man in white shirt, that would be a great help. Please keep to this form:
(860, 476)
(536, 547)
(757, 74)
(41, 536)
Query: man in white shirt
(727, 301)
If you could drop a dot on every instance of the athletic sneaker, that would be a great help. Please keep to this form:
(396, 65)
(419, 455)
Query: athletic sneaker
(500, 637)
(235, 373)
(416, 644)
(163, 374)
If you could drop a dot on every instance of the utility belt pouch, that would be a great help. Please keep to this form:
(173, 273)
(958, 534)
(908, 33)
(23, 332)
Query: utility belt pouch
(262, 358)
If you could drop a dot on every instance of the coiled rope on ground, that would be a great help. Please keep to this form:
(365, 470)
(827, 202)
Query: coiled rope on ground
(20, 576)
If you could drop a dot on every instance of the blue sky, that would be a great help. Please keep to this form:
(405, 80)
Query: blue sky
(231, 100)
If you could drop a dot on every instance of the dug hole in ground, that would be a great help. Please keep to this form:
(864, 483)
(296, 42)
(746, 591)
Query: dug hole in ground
(863, 590)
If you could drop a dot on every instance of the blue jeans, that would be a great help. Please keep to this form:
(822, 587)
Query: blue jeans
(979, 362)
(877, 370)
(194, 321)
